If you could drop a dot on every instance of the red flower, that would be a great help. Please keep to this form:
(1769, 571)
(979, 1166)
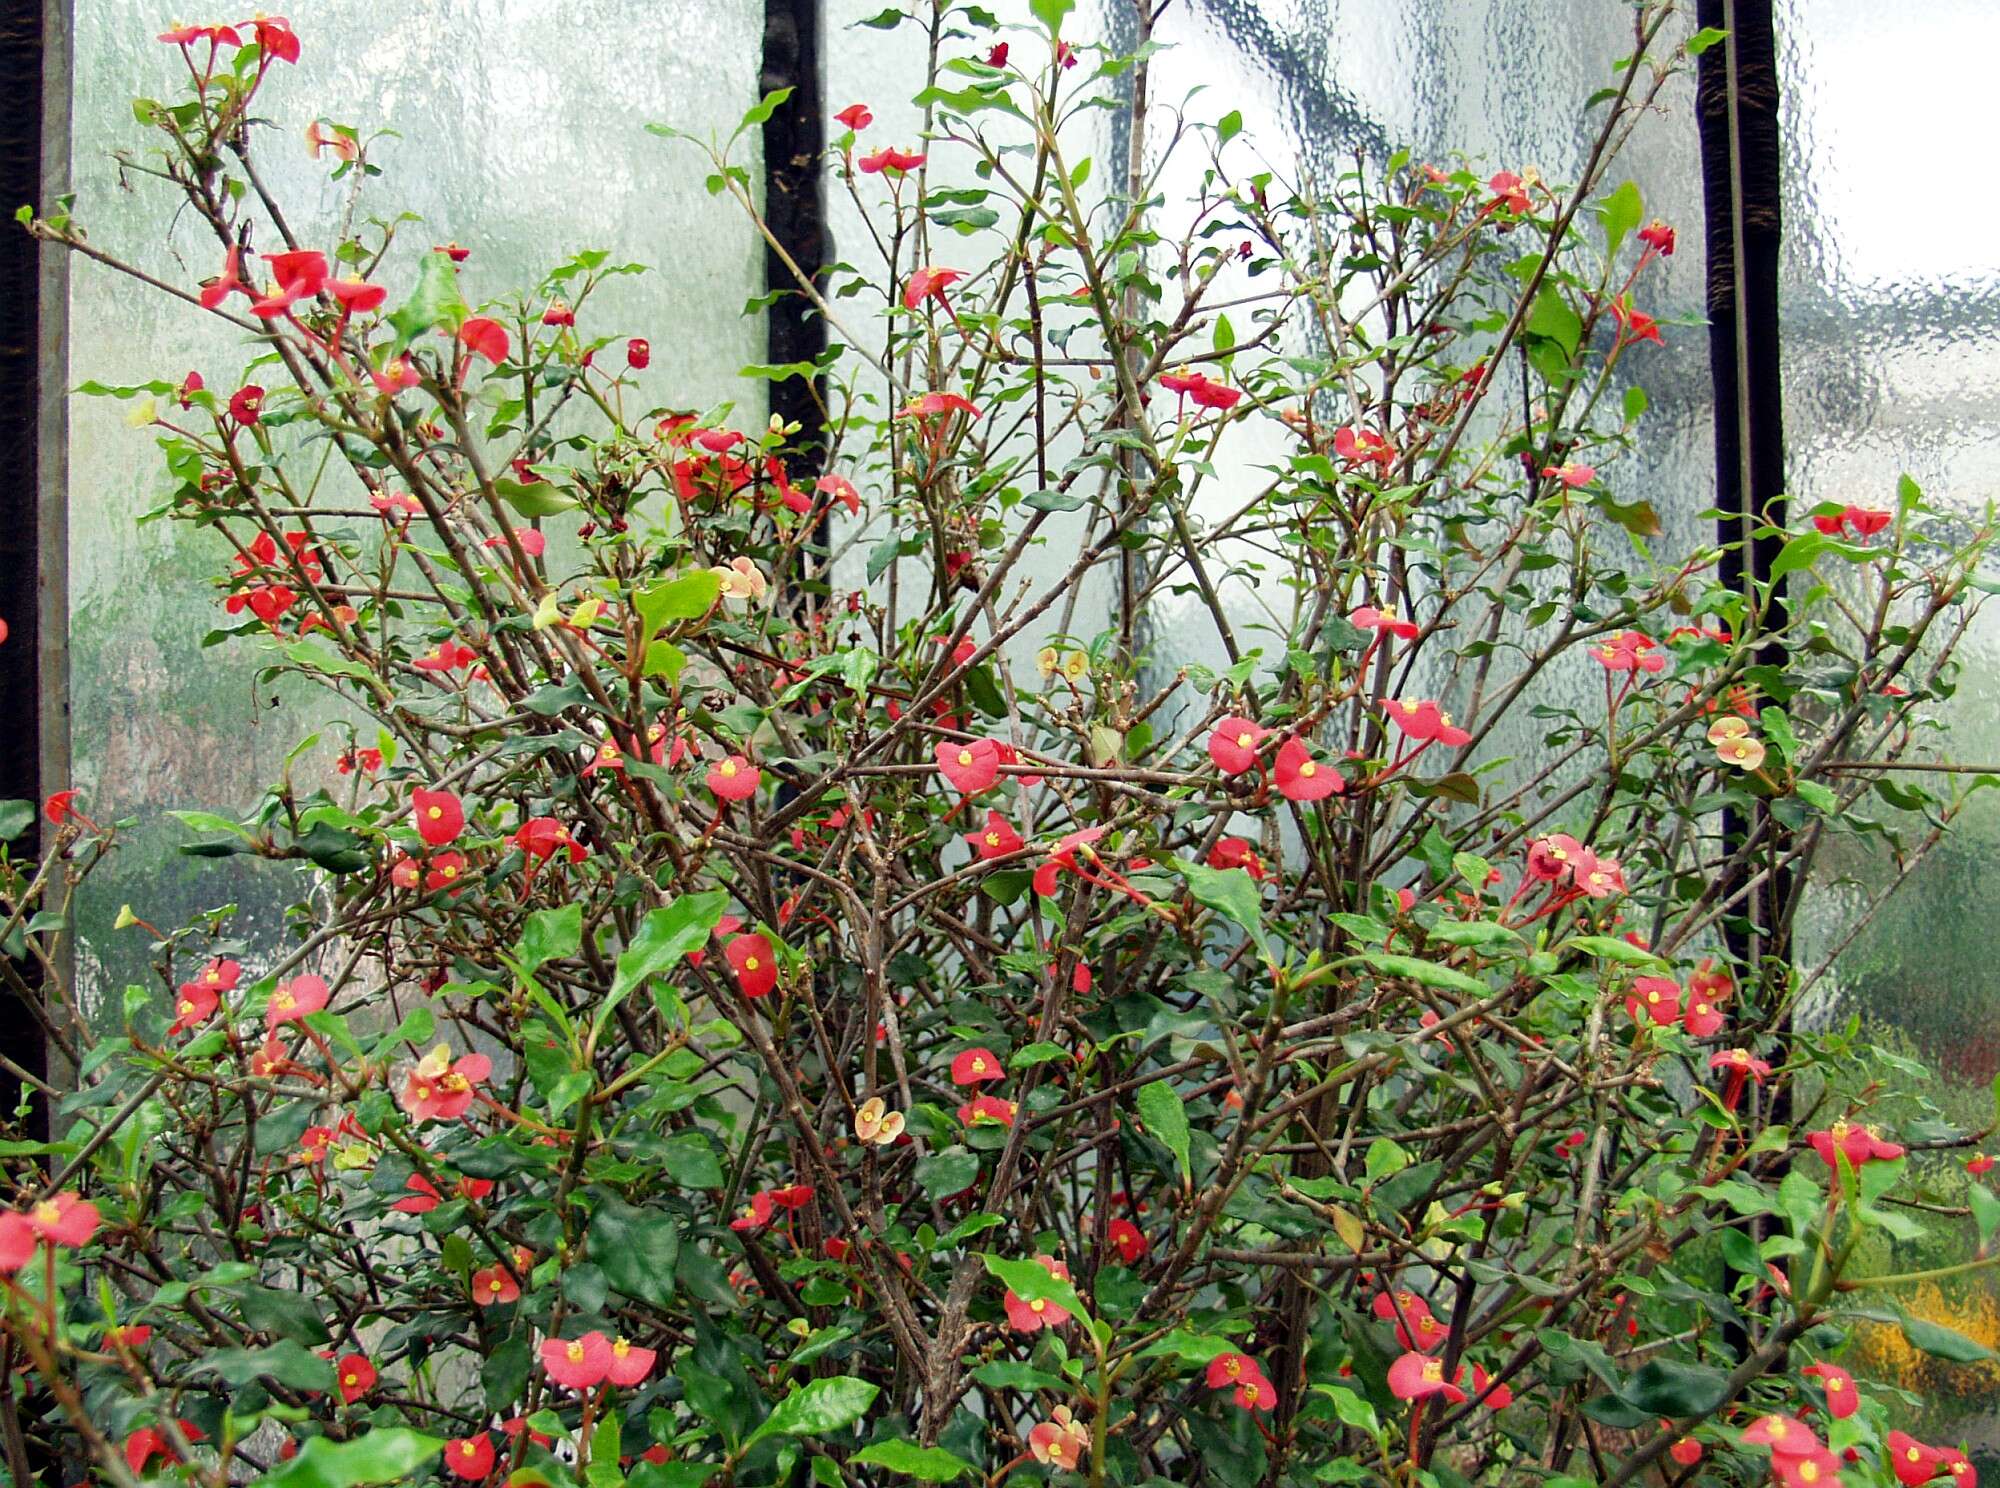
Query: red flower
(984, 1108)
(1654, 1000)
(246, 404)
(214, 36)
(1553, 858)
(1817, 1468)
(1498, 1398)
(1024, 1316)
(841, 489)
(577, 1363)
(437, 1089)
(1859, 1144)
(1509, 191)
(17, 1241)
(1911, 1460)
(930, 405)
(976, 1066)
(1599, 878)
(996, 839)
(439, 816)
(228, 282)
(398, 376)
(628, 1365)
(1400, 1305)
(299, 998)
(148, 1442)
(1573, 476)
(756, 968)
(733, 779)
(131, 1336)
(894, 161)
(1367, 617)
(1300, 777)
(1841, 1399)
(998, 56)
(1686, 1451)
(1204, 393)
(970, 767)
(357, 296)
(1659, 237)
(1634, 325)
(444, 873)
(469, 1457)
(445, 656)
(1233, 744)
(274, 36)
(1785, 1436)
(355, 1377)
(638, 353)
(1963, 1474)
(1128, 1240)
(542, 837)
(754, 1215)
(424, 1196)
(1362, 446)
(486, 338)
(67, 1219)
(1234, 852)
(929, 284)
(1866, 521)
(855, 116)
(195, 1005)
(1702, 1018)
(1415, 1376)
(1063, 855)
(1979, 1165)
(1426, 722)
(1629, 651)
(492, 1285)
(558, 314)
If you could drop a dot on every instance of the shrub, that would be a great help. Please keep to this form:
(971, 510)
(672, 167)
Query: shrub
(781, 984)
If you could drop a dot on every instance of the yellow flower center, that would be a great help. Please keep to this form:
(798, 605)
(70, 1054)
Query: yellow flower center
(992, 839)
(450, 871)
(728, 770)
(495, 1286)
(215, 976)
(1308, 770)
(1433, 1370)
(965, 756)
(979, 1066)
(284, 1001)
(187, 1006)
(47, 1212)
(575, 1352)
(1245, 740)
(621, 1348)
(749, 963)
(468, 1448)
(1038, 1305)
(1809, 1472)
(434, 812)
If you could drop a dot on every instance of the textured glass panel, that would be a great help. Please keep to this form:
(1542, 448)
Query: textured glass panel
(521, 137)
(1891, 326)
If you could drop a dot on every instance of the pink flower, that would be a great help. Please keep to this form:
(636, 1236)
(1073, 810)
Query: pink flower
(855, 116)
(1233, 744)
(1364, 446)
(1629, 651)
(1858, 1144)
(1031, 1317)
(1654, 1000)
(67, 1219)
(628, 1364)
(354, 1376)
(996, 839)
(436, 1089)
(196, 1004)
(1553, 858)
(894, 161)
(493, 1285)
(1599, 878)
(929, 284)
(1415, 1376)
(577, 1363)
(1060, 1441)
(1842, 1400)
(1570, 475)
(1659, 237)
(1817, 1468)
(1426, 722)
(299, 998)
(976, 1066)
(1300, 777)
(970, 767)
(1367, 617)
(485, 338)
(733, 779)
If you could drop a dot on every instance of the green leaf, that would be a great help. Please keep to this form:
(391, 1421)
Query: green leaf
(533, 498)
(1031, 1281)
(434, 302)
(1051, 12)
(925, 1464)
(1705, 38)
(286, 1362)
(1985, 1212)
(1426, 973)
(1621, 213)
(1234, 895)
(760, 112)
(1665, 1388)
(1350, 1408)
(690, 1160)
(316, 658)
(1166, 1119)
(201, 821)
(387, 1454)
(550, 935)
(15, 818)
(637, 1249)
(1944, 1343)
(1554, 320)
(688, 597)
(665, 936)
(952, 1171)
(1612, 948)
(818, 1409)
(1012, 1374)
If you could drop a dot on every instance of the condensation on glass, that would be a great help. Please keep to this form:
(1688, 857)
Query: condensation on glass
(520, 134)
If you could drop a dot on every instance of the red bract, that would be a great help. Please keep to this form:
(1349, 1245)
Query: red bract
(996, 839)
(1685, 1451)
(855, 116)
(1599, 878)
(17, 1241)
(1702, 1018)
(214, 35)
(638, 353)
(485, 338)
(150, 1442)
(1554, 858)
(733, 779)
(357, 296)
(1426, 722)
(1629, 651)
(628, 1364)
(1300, 777)
(1634, 325)
(1367, 617)
(841, 489)
(1654, 1000)
(1416, 1376)
(1785, 1436)
(1818, 1468)
(929, 284)
(982, 1109)
(1024, 1316)
(894, 162)
(1859, 1144)
(971, 767)
(1196, 387)
(438, 815)
(1842, 1400)
(493, 1285)
(66, 1219)
(446, 656)
(1232, 744)
(275, 36)
(577, 1363)
(1866, 521)
(1234, 852)
(1364, 446)
(195, 1005)
(437, 1089)
(354, 1376)
(470, 1457)
(423, 1198)
(997, 57)
(1499, 1397)
(975, 1066)
(443, 874)
(1128, 1240)
(756, 968)
(1912, 1461)
(541, 837)
(930, 405)
(1659, 237)
(246, 404)
(1573, 476)
(292, 1001)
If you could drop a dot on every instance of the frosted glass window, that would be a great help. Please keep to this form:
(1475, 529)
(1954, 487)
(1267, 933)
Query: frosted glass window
(522, 138)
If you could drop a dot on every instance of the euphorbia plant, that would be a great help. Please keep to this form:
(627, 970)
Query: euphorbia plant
(796, 975)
